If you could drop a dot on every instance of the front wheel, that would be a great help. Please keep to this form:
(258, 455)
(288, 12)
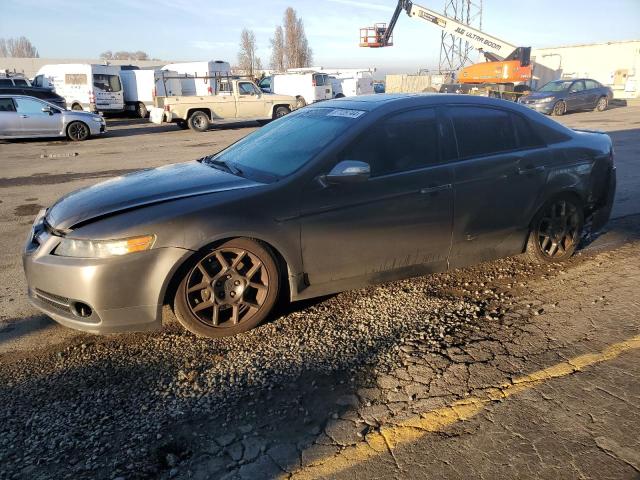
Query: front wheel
(556, 230)
(559, 109)
(603, 103)
(198, 122)
(281, 112)
(141, 110)
(78, 131)
(230, 289)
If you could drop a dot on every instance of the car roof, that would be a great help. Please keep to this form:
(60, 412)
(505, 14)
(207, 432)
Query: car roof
(407, 100)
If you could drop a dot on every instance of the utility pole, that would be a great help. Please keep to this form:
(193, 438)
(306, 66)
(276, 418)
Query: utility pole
(455, 52)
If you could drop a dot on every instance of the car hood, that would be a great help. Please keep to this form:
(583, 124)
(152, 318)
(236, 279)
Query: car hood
(140, 189)
(540, 95)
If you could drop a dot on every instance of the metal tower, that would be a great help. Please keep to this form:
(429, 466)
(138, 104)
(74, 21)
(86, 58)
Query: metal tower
(454, 52)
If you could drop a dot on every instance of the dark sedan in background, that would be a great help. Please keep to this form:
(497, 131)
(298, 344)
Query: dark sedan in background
(562, 96)
(337, 195)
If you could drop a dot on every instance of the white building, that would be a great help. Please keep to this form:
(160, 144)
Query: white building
(616, 64)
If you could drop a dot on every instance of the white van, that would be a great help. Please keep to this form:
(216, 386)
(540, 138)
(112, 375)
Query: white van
(84, 86)
(307, 86)
(350, 82)
(197, 75)
(142, 86)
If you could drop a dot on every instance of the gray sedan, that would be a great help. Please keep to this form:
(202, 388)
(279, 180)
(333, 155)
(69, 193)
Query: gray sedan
(562, 96)
(22, 116)
(337, 195)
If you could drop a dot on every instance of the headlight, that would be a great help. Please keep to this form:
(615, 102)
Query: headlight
(71, 247)
(98, 119)
(545, 100)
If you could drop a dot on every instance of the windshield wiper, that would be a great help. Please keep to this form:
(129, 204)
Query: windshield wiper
(229, 167)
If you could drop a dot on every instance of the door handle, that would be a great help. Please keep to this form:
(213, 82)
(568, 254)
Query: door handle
(530, 170)
(24, 116)
(436, 189)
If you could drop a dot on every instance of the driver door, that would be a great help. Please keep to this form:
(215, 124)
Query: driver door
(577, 98)
(33, 121)
(250, 102)
(399, 219)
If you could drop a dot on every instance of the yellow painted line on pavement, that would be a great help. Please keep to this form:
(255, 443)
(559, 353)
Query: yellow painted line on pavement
(389, 437)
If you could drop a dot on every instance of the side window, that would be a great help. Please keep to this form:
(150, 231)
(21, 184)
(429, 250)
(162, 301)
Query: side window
(37, 81)
(591, 84)
(482, 131)
(246, 88)
(6, 82)
(403, 142)
(319, 80)
(20, 82)
(6, 105)
(527, 137)
(577, 86)
(29, 106)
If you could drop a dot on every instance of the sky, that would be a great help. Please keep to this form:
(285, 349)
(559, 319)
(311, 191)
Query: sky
(204, 30)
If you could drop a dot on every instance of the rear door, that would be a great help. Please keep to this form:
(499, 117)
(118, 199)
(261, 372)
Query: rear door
(592, 93)
(322, 86)
(9, 118)
(398, 219)
(499, 177)
(33, 121)
(108, 91)
(577, 97)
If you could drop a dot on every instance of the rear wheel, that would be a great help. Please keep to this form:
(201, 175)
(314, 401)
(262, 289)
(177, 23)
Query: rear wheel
(559, 109)
(281, 112)
(78, 131)
(198, 121)
(300, 102)
(603, 103)
(141, 110)
(230, 289)
(556, 230)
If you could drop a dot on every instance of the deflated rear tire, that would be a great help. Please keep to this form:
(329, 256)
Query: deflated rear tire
(229, 289)
(556, 230)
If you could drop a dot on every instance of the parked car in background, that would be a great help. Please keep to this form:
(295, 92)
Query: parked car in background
(378, 87)
(561, 96)
(338, 195)
(197, 76)
(234, 99)
(42, 93)
(307, 86)
(22, 116)
(14, 81)
(142, 86)
(350, 82)
(89, 87)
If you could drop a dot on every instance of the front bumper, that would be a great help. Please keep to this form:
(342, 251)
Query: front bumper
(545, 107)
(123, 293)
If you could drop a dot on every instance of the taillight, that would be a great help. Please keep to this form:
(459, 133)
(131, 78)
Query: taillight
(209, 90)
(313, 82)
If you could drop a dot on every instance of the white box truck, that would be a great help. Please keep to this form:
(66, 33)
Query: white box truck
(350, 82)
(142, 86)
(308, 86)
(197, 75)
(84, 86)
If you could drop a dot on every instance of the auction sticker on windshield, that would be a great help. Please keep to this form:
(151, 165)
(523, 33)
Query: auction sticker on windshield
(339, 112)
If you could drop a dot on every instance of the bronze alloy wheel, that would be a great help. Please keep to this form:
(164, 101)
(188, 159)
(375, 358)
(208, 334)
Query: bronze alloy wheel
(230, 289)
(556, 231)
(559, 109)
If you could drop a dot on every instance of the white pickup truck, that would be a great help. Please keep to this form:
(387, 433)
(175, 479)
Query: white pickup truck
(234, 99)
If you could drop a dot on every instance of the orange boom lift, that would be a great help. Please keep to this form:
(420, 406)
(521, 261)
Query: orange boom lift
(506, 71)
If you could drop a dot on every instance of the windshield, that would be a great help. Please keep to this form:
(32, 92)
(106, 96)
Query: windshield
(107, 83)
(556, 86)
(284, 146)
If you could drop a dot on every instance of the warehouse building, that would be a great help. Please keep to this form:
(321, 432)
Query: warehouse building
(616, 64)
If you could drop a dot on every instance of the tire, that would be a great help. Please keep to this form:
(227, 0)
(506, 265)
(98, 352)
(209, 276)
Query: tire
(141, 110)
(198, 121)
(556, 230)
(339, 95)
(182, 125)
(78, 131)
(300, 102)
(602, 104)
(559, 109)
(229, 289)
(281, 112)
(76, 107)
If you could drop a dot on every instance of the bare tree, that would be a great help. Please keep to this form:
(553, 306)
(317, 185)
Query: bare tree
(20, 47)
(108, 55)
(277, 50)
(247, 59)
(124, 55)
(296, 46)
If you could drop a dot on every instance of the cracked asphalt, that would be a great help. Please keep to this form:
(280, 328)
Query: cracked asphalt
(503, 370)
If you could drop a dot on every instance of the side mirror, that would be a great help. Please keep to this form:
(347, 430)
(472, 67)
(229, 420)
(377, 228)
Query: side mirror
(48, 110)
(348, 171)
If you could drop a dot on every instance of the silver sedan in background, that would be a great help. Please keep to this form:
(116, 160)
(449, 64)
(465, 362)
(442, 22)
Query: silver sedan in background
(22, 116)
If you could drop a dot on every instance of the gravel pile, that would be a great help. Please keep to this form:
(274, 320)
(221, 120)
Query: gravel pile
(103, 407)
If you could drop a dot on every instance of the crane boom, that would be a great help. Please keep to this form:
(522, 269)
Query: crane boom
(479, 39)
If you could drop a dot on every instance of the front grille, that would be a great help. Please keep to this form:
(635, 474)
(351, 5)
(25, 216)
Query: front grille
(56, 301)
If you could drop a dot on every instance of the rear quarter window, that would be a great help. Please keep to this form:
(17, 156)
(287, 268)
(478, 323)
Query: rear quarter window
(526, 134)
